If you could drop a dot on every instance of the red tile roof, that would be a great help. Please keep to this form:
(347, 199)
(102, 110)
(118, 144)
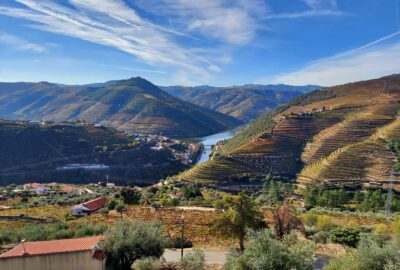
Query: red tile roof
(52, 247)
(95, 204)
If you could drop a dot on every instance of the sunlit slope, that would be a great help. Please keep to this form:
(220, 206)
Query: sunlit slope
(335, 135)
(134, 105)
(368, 161)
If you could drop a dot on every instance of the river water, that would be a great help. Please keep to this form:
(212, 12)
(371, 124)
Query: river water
(211, 140)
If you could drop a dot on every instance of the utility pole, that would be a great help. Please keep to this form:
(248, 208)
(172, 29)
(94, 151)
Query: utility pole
(389, 197)
(182, 233)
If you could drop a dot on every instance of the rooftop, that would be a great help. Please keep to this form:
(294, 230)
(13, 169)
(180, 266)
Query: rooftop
(52, 247)
(95, 204)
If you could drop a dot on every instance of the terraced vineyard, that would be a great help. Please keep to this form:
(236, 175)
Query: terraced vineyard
(214, 170)
(338, 135)
(356, 129)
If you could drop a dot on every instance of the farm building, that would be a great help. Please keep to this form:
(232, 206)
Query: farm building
(89, 207)
(65, 254)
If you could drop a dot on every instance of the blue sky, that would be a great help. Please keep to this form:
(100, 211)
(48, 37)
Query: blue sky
(187, 42)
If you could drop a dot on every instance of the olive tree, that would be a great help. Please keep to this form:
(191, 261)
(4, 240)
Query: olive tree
(266, 252)
(130, 240)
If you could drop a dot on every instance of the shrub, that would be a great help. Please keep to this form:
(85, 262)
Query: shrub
(371, 255)
(345, 236)
(310, 218)
(194, 260)
(310, 231)
(321, 237)
(219, 204)
(267, 253)
(382, 229)
(324, 223)
(177, 243)
(147, 264)
(396, 225)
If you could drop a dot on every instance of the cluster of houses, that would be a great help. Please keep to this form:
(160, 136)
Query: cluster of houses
(187, 157)
(41, 188)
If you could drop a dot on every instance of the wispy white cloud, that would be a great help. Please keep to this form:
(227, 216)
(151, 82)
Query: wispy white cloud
(135, 69)
(21, 44)
(314, 8)
(229, 21)
(112, 23)
(375, 59)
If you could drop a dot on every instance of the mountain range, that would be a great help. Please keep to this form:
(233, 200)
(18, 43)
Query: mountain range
(134, 105)
(245, 102)
(344, 135)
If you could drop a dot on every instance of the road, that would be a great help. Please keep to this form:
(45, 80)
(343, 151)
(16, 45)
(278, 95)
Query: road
(219, 257)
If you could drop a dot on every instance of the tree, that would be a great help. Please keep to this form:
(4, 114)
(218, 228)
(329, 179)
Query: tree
(310, 196)
(130, 195)
(191, 191)
(130, 240)
(243, 213)
(267, 253)
(120, 209)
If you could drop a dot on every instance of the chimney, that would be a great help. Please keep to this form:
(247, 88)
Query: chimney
(24, 252)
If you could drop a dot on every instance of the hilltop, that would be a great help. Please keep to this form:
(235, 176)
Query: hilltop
(245, 102)
(134, 105)
(41, 151)
(342, 135)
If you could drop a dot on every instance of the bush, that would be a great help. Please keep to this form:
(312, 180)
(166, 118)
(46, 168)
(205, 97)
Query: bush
(267, 253)
(382, 229)
(345, 236)
(371, 255)
(219, 204)
(324, 223)
(396, 225)
(194, 260)
(310, 218)
(321, 237)
(147, 264)
(177, 243)
(310, 231)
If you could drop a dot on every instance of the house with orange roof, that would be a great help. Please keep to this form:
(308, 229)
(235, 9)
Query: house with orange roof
(89, 207)
(65, 254)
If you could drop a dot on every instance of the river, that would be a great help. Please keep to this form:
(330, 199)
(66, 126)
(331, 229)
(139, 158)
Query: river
(211, 140)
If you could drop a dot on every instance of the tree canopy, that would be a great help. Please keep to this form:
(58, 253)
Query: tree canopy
(267, 253)
(130, 240)
(242, 213)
